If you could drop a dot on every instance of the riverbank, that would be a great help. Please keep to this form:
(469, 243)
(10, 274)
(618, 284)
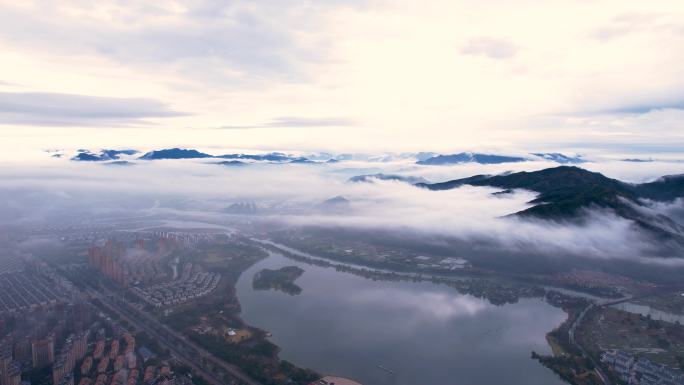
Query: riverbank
(215, 323)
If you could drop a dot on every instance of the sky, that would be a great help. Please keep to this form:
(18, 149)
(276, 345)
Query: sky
(358, 75)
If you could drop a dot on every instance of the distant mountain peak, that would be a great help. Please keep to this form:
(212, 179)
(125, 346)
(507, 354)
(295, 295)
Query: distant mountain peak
(337, 200)
(469, 157)
(400, 178)
(559, 158)
(232, 163)
(482, 158)
(103, 155)
(338, 204)
(175, 153)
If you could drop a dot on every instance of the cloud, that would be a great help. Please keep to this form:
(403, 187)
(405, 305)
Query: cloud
(643, 108)
(290, 121)
(638, 22)
(57, 109)
(474, 216)
(493, 48)
(230, 41)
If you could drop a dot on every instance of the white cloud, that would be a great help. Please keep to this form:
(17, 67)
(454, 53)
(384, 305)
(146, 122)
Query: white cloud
(491, 47)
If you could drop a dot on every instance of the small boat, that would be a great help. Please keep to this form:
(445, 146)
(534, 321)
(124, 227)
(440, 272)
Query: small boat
(390, 371)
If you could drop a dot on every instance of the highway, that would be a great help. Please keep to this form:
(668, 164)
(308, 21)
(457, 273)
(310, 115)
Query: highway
(187, 351)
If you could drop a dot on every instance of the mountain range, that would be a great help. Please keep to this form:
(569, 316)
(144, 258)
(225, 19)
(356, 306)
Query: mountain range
(473, 157)
(102, 156)
(421, 158)
(399, 178)
(230, 159)
(565, 191)
(338, 204)
(559, 158)
(180, 153)
(469, 157)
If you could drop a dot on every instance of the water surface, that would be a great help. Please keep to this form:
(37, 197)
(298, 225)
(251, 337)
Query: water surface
(427, 334)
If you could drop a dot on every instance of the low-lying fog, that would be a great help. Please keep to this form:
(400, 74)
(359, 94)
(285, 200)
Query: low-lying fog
(292, 194)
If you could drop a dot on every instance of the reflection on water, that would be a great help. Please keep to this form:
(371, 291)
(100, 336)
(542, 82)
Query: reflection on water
(645, 311)
(400, 333)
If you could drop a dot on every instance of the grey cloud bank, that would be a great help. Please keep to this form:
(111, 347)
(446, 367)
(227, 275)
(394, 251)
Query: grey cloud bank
(292, 121)
(57, 109)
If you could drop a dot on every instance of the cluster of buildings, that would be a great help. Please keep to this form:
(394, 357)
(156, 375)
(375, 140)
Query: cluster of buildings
(107, 260)
(450, 263)
(23, 290)
(32, 337)
(32, 284)
(114, 363)
(634, 370)
(51, 334)
(108, 362)
(10, 369)
(10, 264)
(79, 230)
(140, 261)
(187, 237)
(43, 351)
(83, 360)
(29, 340)
(117, 365)
(129, 265)
(192, 283)
(73, 350)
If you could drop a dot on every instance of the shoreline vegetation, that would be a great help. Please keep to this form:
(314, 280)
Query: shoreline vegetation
(497, 293)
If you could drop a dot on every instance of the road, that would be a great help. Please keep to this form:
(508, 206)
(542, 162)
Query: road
(181, 347)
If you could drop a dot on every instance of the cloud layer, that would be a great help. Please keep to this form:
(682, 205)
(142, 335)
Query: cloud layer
(291, 195)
